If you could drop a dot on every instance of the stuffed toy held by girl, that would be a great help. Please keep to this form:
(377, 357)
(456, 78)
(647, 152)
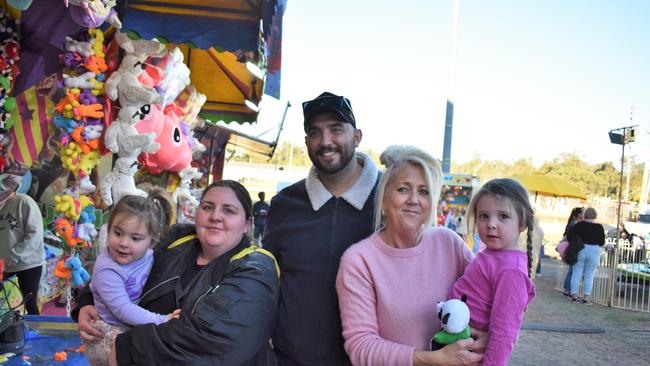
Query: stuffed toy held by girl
(454, 316)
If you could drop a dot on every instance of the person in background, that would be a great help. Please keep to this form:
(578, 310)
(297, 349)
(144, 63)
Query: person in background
(450, 220)
(22, 246)
(260, 210)
(497, 282)
(577, 215)
(625, 235)
(310, 224)
(389, 283)
(538, 249)
(592, 235)
(461, 227)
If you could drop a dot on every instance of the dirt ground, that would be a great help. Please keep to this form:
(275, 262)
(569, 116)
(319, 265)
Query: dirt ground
(626, 340)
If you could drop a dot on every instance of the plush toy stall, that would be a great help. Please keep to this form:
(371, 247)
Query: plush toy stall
(91, 105)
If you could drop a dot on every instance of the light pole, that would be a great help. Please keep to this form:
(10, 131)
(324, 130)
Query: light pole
(449, 111)
(619, 136)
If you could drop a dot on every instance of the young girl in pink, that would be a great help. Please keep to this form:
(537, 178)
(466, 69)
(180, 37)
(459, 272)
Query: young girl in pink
(497, 282)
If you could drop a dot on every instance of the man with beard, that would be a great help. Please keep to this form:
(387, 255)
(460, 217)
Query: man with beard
(309, 226)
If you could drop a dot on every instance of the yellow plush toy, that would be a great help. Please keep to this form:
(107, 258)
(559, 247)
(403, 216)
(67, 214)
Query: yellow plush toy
(65, 205)
(70, 155)
(70, 207)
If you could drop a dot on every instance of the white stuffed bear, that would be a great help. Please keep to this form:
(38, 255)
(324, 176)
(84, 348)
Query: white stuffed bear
(83, 81)
(123, 138)
(119, 182)
(92, 132)
(182, 195)
(86, 231)
(123, 84)
(85, 49)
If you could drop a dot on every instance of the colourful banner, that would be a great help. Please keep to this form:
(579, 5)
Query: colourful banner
(32, 127)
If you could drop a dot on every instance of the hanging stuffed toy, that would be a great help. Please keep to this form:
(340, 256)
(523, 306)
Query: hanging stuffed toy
(182, 195)
(92, 13)
(174, 137)
(119, 182)
(168, 74)
(79, 275)
(454, 316)
(124, 139)
(123, 85)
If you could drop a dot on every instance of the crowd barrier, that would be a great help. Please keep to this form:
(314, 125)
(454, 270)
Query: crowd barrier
(622, 279)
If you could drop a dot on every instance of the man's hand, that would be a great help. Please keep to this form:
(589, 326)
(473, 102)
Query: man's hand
(87, 316)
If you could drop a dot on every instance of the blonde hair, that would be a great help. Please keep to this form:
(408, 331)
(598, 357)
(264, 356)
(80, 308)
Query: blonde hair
(396, 155)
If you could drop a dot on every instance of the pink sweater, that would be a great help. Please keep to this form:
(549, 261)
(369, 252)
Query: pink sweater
(388, 296)
(498, 290)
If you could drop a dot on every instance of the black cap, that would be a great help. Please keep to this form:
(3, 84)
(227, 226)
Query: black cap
(328, 103)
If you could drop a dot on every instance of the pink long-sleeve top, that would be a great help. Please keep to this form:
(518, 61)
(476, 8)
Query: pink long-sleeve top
(498, 290)
(388, 296)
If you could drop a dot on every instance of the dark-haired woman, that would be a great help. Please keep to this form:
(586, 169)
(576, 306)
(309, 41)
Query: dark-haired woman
(226, 290)
(577, 215)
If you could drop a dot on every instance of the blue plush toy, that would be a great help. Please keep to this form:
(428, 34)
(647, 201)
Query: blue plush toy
(79, 275)
(87, 215)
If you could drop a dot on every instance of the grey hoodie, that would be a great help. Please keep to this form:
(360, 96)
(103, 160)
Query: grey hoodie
(21, 234)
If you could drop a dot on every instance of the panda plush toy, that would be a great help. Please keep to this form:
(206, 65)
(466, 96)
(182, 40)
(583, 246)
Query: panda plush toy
(454, 316)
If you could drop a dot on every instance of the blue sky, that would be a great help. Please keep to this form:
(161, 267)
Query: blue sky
(533, 78)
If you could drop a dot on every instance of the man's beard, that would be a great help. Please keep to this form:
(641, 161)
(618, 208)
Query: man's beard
(345, 156)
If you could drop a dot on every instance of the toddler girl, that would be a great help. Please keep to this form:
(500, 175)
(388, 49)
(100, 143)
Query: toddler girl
(120, 272)
(497, 282)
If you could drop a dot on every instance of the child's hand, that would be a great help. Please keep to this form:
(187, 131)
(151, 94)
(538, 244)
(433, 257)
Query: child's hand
(480, 340)
(174, 315)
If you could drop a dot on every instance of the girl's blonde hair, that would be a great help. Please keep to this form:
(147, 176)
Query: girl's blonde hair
(397, 155)
(157, 210)
(518, 196)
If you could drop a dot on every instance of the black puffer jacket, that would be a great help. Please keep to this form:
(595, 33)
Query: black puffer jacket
(228, 309)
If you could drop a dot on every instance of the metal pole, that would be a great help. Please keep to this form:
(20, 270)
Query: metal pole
(449, 114)
(612, 263)
(627, 181)
(277, 138)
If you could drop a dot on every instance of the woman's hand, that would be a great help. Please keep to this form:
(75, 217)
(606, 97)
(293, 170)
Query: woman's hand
(87, 316)
(112, 355)
(457, 353)
(480, 340)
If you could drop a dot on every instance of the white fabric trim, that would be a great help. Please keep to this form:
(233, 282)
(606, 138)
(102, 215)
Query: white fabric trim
(356, 196)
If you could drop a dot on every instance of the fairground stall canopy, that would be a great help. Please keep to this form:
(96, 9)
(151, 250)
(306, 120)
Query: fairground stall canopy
(233, 48)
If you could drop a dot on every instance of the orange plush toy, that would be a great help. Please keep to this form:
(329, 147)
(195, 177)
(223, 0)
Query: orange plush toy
(61, 271)
(66, 231)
